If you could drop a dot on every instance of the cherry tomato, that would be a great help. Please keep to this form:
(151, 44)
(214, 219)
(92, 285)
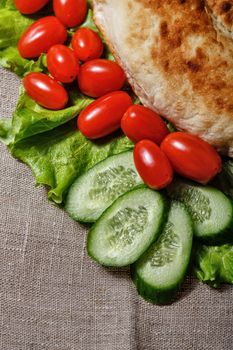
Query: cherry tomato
(62, 63)
(70, 12)
(140, 123)
(191, 157)
(45, 91)
(152, 165)
(87, 44)
(99, 77)
(103, 116)
(28, 7)
(40, 36)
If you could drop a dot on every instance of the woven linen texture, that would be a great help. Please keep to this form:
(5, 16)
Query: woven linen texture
(53, 297)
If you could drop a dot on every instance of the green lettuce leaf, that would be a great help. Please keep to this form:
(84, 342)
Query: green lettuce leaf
(59, 156)
(30, 119)
(11, 59)
(214, 264)
(48, 141)
(50, 144)
(54, 154)
(5, 130)
(89, 23)
(224, 181)
(12, 25)
(8, 4)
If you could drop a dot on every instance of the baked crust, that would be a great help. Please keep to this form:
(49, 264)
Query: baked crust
(177, 61)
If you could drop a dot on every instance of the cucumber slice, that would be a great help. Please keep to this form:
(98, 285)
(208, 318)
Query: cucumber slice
(210, 209)
(92, 193)
(127, 228)
(160, 271)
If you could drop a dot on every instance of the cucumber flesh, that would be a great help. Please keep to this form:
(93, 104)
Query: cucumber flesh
(162, 268)
(211, 210)
(127, 228)
(92, 193)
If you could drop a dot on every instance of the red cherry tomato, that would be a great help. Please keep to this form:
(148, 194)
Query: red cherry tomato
(87, 44)
(40, 36)
(99, 77)
(62, 63)
(152, 165)
(45, 91)
(191, 157)
(28, 7)
(140, 123)
(70, 12)
(103, 116)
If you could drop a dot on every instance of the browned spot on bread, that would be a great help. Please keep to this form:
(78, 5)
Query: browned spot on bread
(130, 5)
(218, 85)
(164, 29)
(194, 67)
(200, 54)
(201, 5)
(220, 102)
(166, 65)
(225, 6)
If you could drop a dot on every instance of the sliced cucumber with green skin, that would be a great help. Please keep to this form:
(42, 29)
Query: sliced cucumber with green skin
(127, 228)
(162, 268)
(210, 209)
(92, 193)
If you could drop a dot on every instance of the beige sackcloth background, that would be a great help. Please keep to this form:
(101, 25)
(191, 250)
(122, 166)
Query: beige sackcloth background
(53, 297)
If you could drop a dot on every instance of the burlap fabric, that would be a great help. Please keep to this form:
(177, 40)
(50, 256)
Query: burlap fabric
(53, 297)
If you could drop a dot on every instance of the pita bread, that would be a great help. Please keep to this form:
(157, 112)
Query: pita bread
(177, 60)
